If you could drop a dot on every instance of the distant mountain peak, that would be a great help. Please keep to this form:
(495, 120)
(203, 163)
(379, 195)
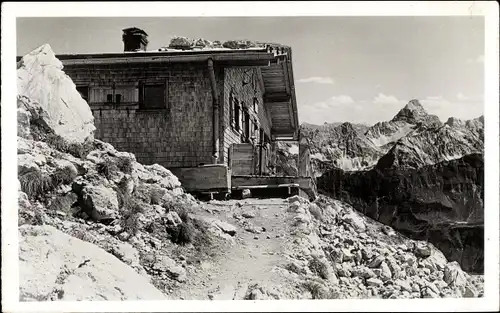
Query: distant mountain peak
(414, 105)
(412, 113)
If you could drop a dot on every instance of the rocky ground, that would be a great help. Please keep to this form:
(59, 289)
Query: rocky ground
(294, 249)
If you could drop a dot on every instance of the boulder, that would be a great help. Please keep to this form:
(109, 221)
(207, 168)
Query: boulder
(23, 123)
(303, 218)
(63, 203)
(298, 199)
(441, 284)
(376, 262)
(30, 162)
(99, 202)
(431, 286)
(342, 271)
(56, 266)
(423, 250)
(156, 173)
(202, 43)
(409, 259)
(231, 44)
(436, 261)
(69, 168)
(165, 264)
(428, 293)
(346, 255)
(355, 220)
(470, 291)
(226, 227)
(51, 98)
(366, 253)
(294, 206)
(216, 44)
(249, 227)
(246, 193)
(180, 43)
(358, 257)
(250, 214)
(363, 272)
(173, 218)
(388, 230)
(405, 285)
(385, 271)
(394, 267)
(337, 255)
(375, 282)
(454, 276)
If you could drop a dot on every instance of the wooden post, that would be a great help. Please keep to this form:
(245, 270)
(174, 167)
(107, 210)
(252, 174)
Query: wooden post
(273, 157)
(261, 150)
(215, 116)
(304, 158)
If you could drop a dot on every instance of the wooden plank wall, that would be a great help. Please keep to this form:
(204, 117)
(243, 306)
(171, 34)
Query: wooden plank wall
(204, 178)
(244, 159)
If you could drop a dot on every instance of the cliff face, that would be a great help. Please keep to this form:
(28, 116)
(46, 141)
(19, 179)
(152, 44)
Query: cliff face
(442, 203)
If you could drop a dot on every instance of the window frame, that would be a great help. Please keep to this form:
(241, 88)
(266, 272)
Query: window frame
(87, 88)
(142, 95)
(246, 132)
(237, 116)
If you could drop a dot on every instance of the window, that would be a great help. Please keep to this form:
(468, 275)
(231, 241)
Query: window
(236, 115)
(84, 92)
(255, 105)
(126, 94)
(153, 96)
(246, 129)
(109, 98)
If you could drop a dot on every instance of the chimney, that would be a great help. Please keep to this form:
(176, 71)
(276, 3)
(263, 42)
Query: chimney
(134, 39)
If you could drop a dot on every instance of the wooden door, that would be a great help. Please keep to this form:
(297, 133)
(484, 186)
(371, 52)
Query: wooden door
(243, 159)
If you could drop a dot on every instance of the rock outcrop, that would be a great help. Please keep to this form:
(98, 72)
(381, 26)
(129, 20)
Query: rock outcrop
(48, 97)
(56, 266)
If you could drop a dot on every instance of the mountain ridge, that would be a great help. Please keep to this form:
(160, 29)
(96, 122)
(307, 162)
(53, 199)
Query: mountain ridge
(353, 147)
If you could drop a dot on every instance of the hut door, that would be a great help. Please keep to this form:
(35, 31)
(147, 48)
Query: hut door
(243, 159)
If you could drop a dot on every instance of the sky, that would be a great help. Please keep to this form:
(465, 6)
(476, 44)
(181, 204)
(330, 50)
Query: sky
(355, 69)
